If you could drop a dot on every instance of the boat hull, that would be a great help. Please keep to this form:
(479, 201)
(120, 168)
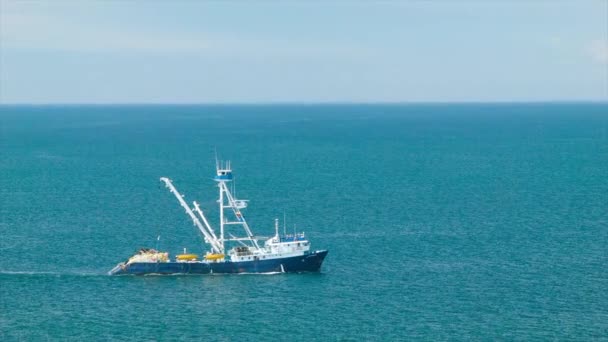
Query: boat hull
(303, 263)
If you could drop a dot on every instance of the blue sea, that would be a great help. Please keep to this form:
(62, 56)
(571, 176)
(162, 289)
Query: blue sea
(442, 221)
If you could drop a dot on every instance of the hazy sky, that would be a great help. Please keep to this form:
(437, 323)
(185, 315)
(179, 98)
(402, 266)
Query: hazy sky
(359, 51)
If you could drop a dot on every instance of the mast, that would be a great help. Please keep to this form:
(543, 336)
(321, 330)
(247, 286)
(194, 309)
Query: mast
(227, 201)
(276, 227)
(221, 200)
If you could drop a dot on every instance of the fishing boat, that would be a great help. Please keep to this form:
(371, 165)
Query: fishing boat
(227, 253)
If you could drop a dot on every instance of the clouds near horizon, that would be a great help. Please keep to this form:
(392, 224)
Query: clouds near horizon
(107, 52)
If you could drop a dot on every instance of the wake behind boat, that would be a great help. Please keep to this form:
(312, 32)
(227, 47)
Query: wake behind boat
(280, 253)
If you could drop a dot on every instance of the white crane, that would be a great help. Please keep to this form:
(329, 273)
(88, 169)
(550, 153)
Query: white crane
(208, 233)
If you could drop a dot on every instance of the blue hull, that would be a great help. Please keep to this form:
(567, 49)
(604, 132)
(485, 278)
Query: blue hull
(303, 263)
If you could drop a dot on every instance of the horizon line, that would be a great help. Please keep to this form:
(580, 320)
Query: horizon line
(299, 103)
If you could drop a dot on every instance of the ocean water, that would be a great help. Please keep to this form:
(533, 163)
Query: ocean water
(452, 221)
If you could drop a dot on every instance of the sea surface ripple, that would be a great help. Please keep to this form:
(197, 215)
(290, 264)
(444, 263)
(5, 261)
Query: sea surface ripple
(443, 222)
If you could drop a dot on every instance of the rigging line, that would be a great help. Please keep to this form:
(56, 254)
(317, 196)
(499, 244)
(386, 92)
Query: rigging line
(284, 223)
(241, 242)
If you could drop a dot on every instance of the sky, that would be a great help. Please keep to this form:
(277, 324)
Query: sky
(304, 52)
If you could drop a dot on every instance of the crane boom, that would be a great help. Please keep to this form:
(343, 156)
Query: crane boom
(215, 245)
(197, 208)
